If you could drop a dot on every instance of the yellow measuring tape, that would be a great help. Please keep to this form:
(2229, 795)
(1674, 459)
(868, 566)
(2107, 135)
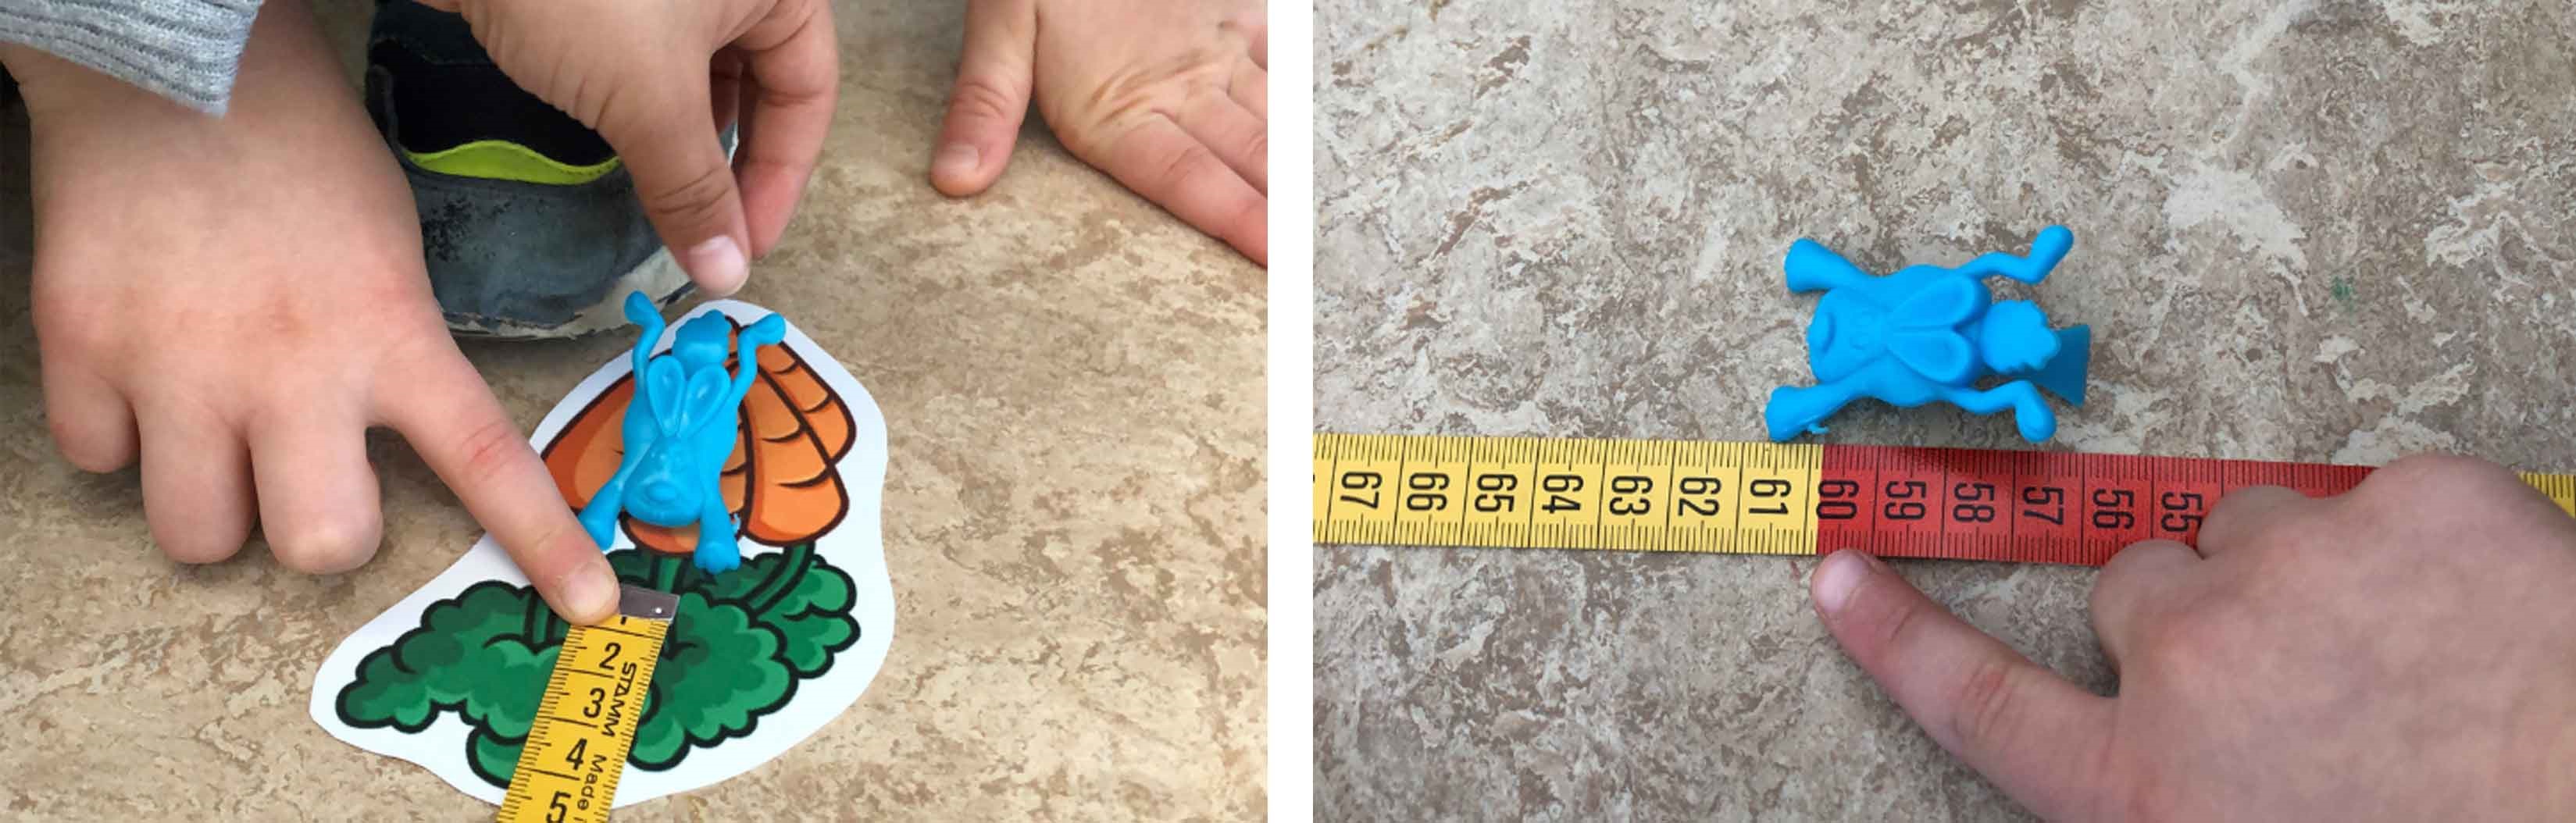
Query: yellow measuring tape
(1527, 492)
(586, 721)
(1782, 498)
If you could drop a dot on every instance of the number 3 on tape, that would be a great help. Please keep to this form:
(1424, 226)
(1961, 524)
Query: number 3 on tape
(586, 720)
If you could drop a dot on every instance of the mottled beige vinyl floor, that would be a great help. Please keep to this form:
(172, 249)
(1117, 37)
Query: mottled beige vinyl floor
(1072, 382)
(2303, 231)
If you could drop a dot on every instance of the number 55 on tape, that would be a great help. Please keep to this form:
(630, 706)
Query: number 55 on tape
(586, 721)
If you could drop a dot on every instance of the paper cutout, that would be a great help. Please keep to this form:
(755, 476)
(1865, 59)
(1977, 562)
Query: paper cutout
(760, 658)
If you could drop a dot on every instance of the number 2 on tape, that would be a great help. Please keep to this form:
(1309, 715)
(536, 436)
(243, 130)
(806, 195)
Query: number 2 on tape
(586, 720)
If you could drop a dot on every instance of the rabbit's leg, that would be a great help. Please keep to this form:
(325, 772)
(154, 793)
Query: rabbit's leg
(599, 517)
(716, 551)
(1794, 410)
(1812, 267)
(2045, 251)
(2030, 411)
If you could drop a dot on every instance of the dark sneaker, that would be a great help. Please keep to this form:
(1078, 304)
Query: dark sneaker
(529, 223)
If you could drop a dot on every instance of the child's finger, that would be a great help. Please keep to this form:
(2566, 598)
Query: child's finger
(684, 180)
(92, 425)
(196, 482)
(451, 418)
(794, 64)
(2038, 737)
(2241, 517)
(1250, 86)
(1256, 37)
(1159, 160)
(991, 97)
(724, 87)
(1236, 135)
(2138, 586)
(317, 493)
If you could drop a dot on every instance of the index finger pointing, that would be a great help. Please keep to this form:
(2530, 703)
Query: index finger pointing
(451, 418)
(2038, 737)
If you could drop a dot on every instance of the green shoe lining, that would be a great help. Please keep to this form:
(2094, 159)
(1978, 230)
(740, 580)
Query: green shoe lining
(504, 160)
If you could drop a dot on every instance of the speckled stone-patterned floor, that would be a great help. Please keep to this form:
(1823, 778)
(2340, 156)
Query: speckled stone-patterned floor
(2304, 231)
(1072, 382)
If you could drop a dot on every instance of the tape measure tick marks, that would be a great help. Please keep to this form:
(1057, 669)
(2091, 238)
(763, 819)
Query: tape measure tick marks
(1783, 498)
(585, 724)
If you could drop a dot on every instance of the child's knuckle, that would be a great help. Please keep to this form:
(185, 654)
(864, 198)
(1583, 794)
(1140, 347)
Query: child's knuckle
(981, 97)
(1987, 702)
(2414, 474)
(325, 545)
(697, 199)
(194, 546)
(486, 449)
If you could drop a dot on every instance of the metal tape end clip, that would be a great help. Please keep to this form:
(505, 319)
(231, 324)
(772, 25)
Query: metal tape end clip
(649, 604)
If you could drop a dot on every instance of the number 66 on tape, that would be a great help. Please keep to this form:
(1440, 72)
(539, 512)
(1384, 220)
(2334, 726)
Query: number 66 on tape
(585, 723)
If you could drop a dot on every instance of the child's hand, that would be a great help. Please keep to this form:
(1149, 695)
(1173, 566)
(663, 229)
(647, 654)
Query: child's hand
(2402, 652)
(656, 78)
(1167, 96)
(238, 300)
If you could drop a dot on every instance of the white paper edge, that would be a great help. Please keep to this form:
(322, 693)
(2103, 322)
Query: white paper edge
(856, 546)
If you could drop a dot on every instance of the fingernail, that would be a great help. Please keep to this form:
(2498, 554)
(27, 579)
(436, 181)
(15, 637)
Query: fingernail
(1838, 577)
(956, 159)
(591, 594)
(717, 266)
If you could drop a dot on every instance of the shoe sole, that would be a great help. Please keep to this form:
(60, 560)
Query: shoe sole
(659, 274)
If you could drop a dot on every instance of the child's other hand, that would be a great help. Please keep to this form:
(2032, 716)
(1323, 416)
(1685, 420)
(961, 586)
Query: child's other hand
(1167, 96)
(2401, 652)
(657, 79)
(238, 300)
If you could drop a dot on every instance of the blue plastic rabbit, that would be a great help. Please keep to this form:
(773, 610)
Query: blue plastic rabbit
(1930, 333)
(681, 426)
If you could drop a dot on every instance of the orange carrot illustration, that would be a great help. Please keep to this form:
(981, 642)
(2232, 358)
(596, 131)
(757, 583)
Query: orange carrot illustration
(780, 482)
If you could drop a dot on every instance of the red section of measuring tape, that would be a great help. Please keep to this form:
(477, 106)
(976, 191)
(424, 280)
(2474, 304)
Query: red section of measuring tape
(2029, 506)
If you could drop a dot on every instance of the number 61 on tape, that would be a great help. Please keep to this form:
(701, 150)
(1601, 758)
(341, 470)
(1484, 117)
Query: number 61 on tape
(585, 723)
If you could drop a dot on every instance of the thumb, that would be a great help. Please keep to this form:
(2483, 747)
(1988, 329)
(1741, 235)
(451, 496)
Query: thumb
(2038, 737)
(991, 97)
(685, 182)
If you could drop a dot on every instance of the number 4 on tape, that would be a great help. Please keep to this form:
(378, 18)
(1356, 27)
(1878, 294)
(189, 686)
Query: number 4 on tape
(586, 721)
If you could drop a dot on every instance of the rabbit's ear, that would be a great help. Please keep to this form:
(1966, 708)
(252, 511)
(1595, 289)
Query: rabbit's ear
(664, 388)
(708, 391)
(1942, 303)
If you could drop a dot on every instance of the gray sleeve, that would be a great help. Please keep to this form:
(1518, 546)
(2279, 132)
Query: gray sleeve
(186, 50)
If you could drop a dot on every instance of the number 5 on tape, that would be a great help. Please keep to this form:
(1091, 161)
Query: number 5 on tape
(586, 721)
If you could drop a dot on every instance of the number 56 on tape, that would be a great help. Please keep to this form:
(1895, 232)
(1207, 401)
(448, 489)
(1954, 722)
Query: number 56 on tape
(586, 720)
